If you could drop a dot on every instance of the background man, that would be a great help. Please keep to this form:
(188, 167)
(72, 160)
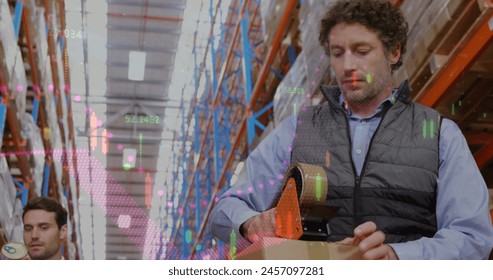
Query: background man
(45, 227)
(401, 195)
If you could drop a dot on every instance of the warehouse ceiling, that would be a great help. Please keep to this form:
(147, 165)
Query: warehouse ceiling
(136, 108)
(121, 77)
(132, 84)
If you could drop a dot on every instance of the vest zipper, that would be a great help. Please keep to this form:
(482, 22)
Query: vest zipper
(357, 219)
(356, 192)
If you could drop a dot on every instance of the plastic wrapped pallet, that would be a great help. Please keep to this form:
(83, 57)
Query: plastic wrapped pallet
(73, 183)
(271, 12)
(14, 226)
(7, 191)
(31, 132)
(17, 232)
(426, 20)
(291, 93)
(63, 198)
(75, 199)
(413, 10)
(76, 214)
(53, 134)
(50, 108)
(19, 85)
(63, 97)
(7, 35)
(48, 85)
(42, 49)
(427, 14)
(16, 73)
(316, 61)
(57, 158)
(70, 244)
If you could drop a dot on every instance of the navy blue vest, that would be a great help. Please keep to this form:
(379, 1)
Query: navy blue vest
(397, 185)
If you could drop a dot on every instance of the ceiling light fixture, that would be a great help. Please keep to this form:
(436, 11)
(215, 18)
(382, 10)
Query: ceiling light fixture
(136, 65)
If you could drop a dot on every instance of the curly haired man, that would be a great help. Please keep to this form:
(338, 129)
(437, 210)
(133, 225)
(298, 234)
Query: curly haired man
(402, 194)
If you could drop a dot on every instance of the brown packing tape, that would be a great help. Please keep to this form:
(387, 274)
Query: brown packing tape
(304, 195)
(14, 251)
(311, 182)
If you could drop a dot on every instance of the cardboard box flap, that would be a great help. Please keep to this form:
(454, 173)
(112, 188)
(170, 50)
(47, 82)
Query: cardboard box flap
(285, 249)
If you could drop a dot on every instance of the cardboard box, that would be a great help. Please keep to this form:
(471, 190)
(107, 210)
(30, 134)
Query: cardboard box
(285, 249)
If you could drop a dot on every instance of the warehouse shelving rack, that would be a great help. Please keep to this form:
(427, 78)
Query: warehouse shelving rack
(19, 155)
(228, 117)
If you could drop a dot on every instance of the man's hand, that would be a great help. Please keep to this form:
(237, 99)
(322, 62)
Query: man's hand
(262, 225)
(370, 243)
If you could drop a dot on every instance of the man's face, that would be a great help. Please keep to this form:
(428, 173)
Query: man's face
(362, 69)
(42, 236)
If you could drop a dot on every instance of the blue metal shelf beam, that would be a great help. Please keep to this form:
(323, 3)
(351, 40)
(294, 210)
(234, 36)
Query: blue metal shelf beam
(3, 117)
(19, 7)
(46, 179)
(215, 125)
(23, 193)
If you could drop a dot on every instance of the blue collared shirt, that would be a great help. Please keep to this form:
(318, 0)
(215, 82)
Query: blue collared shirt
(463, 221)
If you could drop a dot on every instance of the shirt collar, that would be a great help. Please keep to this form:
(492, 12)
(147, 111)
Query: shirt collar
(389, 100)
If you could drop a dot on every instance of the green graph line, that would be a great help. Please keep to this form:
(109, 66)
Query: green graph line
(188, 236)
(318, 187)
(232, 245)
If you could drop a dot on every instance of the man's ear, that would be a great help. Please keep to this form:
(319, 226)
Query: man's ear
(63, 232)
(395, 54)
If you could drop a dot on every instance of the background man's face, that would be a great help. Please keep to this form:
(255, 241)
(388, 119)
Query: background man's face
(358, 58)
(42, 236)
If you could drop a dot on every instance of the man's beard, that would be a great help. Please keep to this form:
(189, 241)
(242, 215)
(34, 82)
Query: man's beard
(46, 254)
(369, 92)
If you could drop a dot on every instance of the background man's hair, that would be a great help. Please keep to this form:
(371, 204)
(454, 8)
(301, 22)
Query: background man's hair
(379, 16)
(50, 205)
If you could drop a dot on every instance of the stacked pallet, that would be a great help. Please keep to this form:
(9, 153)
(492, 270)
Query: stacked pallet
(31, 132)
(272, 12)
(428, 22)
(9, 204)
(291, 94)
(271, 15)
(317, 63)
(15, 72)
